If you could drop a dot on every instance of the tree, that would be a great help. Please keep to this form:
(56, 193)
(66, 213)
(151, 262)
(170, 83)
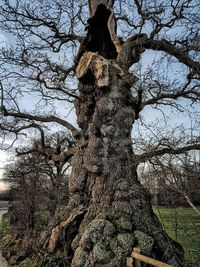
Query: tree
(174, 172)
(109, 211)
(39, 187)
(27, 193)
(179, 174)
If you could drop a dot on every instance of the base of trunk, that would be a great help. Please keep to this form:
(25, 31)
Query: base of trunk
(92, 238)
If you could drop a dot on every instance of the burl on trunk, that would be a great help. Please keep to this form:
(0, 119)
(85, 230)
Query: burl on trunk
(109, 211)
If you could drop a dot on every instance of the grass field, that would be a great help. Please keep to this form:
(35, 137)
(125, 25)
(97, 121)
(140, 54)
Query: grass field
(183, 225)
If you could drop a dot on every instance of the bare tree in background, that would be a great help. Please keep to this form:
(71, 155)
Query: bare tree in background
(179, 174)
(53, 59)
(168, 163)
(28, 193)
(38, 186)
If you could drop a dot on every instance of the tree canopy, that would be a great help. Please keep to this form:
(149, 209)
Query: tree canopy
(40, 56)
(110, 64)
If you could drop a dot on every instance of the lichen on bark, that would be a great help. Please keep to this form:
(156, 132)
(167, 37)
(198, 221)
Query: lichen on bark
(100, 243)
(110, 210)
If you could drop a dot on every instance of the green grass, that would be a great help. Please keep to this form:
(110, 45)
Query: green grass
(4, 227)
(183, 225)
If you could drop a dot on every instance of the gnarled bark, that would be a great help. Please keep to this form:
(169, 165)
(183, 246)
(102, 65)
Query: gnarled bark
(109, 211)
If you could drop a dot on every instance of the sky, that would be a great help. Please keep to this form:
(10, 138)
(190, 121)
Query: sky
(3, 39)
(4, 156)
(27, 104)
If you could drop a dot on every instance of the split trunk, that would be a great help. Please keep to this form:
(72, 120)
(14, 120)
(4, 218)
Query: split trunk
(109, 211)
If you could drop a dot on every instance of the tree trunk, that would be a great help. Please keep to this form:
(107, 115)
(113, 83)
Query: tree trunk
(109, 211)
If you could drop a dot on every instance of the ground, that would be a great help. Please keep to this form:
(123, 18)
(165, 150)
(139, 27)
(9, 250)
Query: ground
(183, 224)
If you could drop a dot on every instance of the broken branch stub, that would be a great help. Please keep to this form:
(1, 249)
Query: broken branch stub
(94, 64)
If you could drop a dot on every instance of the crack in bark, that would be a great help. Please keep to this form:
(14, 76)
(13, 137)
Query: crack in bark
(56, 231)
(108, 202)
(98, 37)
(101, 32)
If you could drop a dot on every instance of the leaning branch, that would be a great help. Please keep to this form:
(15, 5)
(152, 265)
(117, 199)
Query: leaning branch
(50, 118)
(163, 45)
(65, 156)
(136, 45)
(160, 152)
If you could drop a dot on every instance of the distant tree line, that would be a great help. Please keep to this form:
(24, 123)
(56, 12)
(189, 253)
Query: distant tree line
(39, 186)
(174, 180)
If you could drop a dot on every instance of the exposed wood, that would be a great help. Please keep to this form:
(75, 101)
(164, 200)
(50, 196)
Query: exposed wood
(129, 262)
(137, 262)
(101, 35)
(112, 30)
(97, 64)
(84, 64)
(93, 64)
(101, 72)
(93, 4)
(58, 229)
(98, 35)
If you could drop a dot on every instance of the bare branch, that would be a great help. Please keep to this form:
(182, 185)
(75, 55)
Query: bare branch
(136, 45)
(163, 45)
(159, 152)
(65, 156)
(50, 118)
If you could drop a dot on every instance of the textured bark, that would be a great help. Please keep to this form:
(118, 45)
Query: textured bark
(109, 211)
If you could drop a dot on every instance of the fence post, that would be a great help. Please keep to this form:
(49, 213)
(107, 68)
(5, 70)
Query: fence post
(137, 262)
(129, 262)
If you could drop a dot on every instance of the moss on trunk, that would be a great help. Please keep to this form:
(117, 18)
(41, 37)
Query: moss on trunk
(109, 211)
